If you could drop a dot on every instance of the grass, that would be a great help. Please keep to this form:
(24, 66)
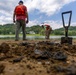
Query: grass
(12, 35)
(33, 34)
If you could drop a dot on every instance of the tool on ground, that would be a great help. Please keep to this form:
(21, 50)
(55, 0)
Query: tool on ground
(66, 39)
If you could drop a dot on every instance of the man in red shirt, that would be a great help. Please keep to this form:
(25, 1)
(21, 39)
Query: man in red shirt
(48, 30)
(20, 17)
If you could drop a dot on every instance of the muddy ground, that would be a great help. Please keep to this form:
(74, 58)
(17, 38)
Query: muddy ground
(37, 57)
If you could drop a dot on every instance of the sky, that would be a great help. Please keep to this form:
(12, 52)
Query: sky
(40, 11)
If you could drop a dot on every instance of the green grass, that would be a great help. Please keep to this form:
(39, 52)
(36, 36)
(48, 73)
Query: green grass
(33, 34)
(22, 34)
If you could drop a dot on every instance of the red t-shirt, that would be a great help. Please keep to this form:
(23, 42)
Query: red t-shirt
(21, 17)
(47, 27)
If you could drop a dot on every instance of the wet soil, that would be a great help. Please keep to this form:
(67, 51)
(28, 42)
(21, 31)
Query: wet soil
(37, 57)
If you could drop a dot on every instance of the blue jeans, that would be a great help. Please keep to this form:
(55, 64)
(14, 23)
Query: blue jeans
(19, 24)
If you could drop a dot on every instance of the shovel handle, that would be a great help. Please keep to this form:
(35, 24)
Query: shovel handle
(67, 12)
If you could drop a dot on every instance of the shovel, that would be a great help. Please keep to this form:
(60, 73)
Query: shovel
(66, 39)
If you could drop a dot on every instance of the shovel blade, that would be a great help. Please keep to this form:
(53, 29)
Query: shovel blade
(66, 40)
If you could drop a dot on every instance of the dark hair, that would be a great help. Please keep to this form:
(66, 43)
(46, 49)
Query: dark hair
(21, 2)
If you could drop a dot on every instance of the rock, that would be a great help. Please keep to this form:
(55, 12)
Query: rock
(60, 55)
(59, 68)
(38, 52)
(42, 54)
(17, 59)
(24, 43)
(4, 47)
(46, 54)
(71, 70)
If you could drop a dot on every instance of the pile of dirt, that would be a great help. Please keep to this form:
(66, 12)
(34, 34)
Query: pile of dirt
(37, 58)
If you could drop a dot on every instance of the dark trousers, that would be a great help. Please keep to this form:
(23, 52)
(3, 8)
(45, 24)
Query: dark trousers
(19, 24)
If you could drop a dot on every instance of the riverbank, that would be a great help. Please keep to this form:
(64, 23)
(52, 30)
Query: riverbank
(37, 57)
(33, 37)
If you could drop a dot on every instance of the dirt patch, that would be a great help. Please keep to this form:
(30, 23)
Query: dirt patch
(37, 57)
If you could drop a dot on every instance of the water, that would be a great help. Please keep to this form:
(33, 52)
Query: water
(51, 37)
(32, 37)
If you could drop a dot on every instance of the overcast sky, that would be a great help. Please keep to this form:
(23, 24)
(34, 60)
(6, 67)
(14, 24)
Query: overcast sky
(40, 11)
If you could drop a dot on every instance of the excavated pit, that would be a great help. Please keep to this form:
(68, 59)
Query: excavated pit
(37, 58)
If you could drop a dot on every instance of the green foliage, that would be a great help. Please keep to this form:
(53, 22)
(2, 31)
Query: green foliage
(7, 29)
(35, 28)
(10, 29)
(42, 32)
(61, 31)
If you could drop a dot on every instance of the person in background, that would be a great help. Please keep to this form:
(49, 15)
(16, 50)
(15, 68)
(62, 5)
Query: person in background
(48, 30)
(20, 17)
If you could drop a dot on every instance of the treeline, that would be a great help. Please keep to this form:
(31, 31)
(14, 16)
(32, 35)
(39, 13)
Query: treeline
(36, 29)
(61, 31)
(7, 29)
